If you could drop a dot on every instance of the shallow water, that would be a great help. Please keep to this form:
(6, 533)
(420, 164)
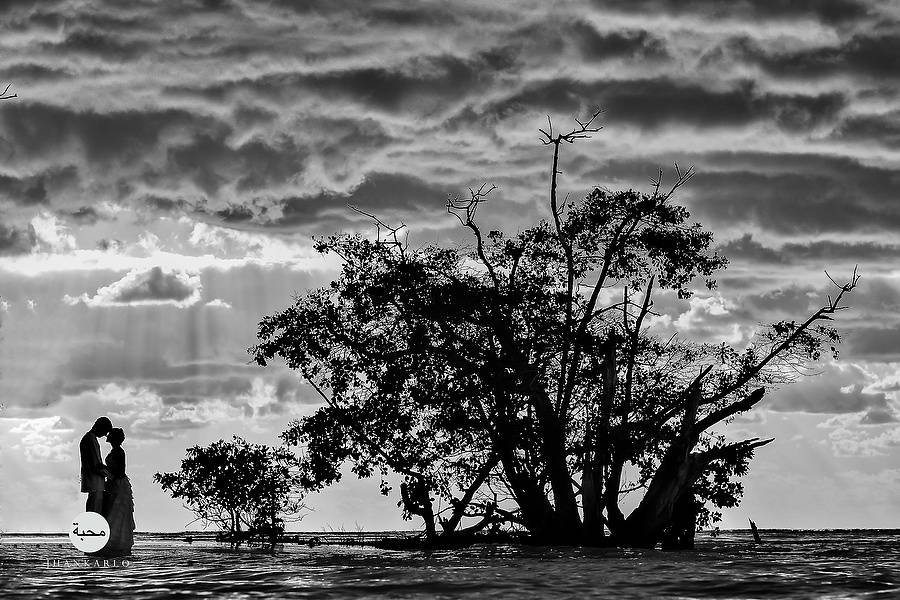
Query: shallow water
(794, 564)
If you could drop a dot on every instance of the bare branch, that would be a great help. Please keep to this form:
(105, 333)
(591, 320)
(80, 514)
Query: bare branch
(823, 313)
(584, 130)
(464, 210)
(681, 178)
(5, 95)
(392, 232)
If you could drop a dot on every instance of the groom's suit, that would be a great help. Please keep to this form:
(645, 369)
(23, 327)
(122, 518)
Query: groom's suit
(92, 470)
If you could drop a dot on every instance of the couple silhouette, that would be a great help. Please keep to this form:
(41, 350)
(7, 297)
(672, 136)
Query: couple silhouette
(107, 486)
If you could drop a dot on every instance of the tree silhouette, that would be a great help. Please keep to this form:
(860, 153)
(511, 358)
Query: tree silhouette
(238, 487)
(519, 380)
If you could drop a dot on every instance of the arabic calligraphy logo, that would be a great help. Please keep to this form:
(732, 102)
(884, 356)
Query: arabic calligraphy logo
(89, 532)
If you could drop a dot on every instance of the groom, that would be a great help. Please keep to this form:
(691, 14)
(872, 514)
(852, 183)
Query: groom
(93, 471)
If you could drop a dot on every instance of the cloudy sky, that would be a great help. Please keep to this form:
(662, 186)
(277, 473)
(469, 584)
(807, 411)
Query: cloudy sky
(165, 167)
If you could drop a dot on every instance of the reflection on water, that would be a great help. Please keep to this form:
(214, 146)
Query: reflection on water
(795, 564)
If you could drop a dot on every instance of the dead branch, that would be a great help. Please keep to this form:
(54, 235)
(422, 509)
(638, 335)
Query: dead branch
(584, 130)
(457, 206)
(391, 238)
(680, 180)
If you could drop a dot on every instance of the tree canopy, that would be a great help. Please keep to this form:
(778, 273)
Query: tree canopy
(238, 486)
(519, 381)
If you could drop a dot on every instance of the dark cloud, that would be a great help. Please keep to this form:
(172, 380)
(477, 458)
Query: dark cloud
(25, 73)
(41, 131)
(95, 43)
(178, 385)
(875, 299)
(99, 363)
(792, 203)
(34, 189)
(237, 213)
(249, 116)
(161, 203)
(795, 193)
(411, 15)
(877, 296)
(251, 108)
(107, 244)
(830, 11)
(873, 54)
(793, 300)
(790, 195)
(836, 250)
(654, 103)
(747, 249)
(879, 343)
(154, 286)
(28, 190)
(878, 416)
(420, 85)
(14, 5)
(415, 14)
(192, 390)
(824, 394)
(636, 44)
(381, 192)
(881, 129)
(85, 215)
(15, 240)
(288, 388)
(210, 162)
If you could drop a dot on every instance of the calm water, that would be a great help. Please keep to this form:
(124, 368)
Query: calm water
(792, 564)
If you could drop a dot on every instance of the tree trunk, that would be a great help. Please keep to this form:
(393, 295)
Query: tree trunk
(417, 501)
(673, 480)
(678, 470)
(593, 496)
(680, 533)
(537, 512)
(645, 525)
(459, 507)
(592, 504)
(566, 526)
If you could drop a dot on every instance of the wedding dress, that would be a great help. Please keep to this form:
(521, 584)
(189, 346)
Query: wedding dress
(120, 510)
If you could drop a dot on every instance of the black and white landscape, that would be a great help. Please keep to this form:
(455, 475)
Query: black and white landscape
(165, 166)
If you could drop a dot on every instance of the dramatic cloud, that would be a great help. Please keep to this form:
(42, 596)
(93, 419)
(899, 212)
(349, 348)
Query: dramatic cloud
(14, 240)
(165, 156)
(838, 389)
(155, 286)
(749, 249)
(830, 11)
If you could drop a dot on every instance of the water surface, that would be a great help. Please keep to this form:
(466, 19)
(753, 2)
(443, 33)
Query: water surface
(792, 564)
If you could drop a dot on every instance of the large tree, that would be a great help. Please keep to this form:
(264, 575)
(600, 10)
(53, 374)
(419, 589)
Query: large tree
(520, 380)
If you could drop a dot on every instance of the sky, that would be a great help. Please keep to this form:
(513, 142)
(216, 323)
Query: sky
(165, 167)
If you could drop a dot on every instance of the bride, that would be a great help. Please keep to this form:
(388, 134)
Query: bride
(118, 501)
